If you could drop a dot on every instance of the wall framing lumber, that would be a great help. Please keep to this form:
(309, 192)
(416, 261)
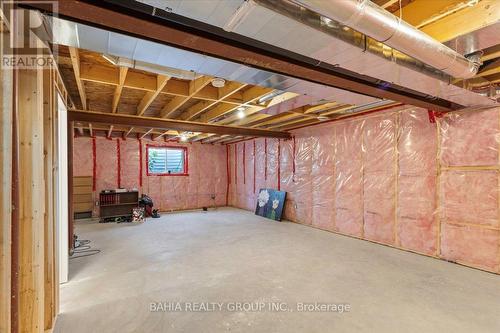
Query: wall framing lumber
(31, 204)
(6, 94)
(169, 124)
(75, 60)
(50, 279)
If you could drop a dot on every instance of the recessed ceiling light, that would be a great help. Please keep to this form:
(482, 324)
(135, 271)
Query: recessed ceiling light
(218, 82)
(241, 113)
(184, 137)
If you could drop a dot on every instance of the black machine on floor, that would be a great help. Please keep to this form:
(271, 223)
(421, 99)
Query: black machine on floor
(147, 203)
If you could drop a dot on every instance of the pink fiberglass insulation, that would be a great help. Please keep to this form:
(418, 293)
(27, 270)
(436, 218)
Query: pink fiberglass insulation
(82, 157)
(471, 245)
(129, 163)
(377, 177)
(106, 164)
(204, 186)
(470, 197)
(349, 177)
(417, 149)
(470, 138)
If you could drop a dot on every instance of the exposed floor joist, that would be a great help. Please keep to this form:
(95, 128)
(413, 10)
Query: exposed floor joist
(198, 40)
(119, 88)
(75, 59)
(161, 81)
(170, 124)
(194, 87)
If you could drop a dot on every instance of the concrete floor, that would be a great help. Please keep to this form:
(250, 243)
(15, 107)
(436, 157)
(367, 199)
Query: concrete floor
(230, 255)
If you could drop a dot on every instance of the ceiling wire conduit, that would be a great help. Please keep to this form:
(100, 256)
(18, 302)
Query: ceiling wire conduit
(372, 20)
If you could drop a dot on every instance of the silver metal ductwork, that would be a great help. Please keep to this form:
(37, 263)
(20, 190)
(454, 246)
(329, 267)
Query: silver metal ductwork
(374, 21)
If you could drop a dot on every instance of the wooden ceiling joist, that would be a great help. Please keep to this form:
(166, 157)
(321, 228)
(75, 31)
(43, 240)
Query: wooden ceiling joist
(249, 96)
(464, 21)
(75, 61)
(272, 119)
(230, 140)
(194, 87)
(490, 69)
(110, 131)
(139, 81)
(491, 53)
(217, 138)
(166, 124)
(147, 133)
(150, 96)
(80, 129)
(223, 93)
(119, 88)
(128, 132)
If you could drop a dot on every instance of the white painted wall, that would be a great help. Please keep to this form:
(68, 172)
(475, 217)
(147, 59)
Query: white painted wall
(62, 191)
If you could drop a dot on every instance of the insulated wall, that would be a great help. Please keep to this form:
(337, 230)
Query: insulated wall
(122, 163)
(397, 178)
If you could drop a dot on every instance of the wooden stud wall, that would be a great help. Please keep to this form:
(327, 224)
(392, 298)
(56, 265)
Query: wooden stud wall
(31, 204)
(5, 194)
(29, 285)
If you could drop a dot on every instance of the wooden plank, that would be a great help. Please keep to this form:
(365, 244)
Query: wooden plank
(419, 11)
(119, 88)
(75, 60)
(49, 216)
(31, 203)
(82, 180)
(82, 207)
(139, 81)
(490, 69)
(5, 194)
(170, 124)
(150, 96)
(249, 96)
(82, 198)
(194, 87)
(82, 189)
(223, 93)
(491, 53)
(469, 19)
(147, 133)
(70, 125)
(55, 176)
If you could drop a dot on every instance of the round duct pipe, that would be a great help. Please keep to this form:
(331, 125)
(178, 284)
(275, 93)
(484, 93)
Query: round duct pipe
(374, 21)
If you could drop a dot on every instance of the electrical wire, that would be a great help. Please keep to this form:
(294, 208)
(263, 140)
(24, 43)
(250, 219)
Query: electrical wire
(91, 253)
(82, 247)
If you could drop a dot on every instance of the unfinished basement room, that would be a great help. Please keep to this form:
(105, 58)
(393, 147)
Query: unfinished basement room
(250, 166)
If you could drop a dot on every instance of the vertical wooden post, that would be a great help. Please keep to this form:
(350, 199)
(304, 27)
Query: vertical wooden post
(49, 220)
(71, 130)
(31, 203)
(55, 175)
(14, 258)
(6, 94)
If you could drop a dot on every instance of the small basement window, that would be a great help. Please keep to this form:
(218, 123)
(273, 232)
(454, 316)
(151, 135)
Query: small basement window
(167, 161)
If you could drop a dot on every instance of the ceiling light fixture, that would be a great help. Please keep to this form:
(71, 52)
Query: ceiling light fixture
(184, 137)
(241, 112)
(218, 82)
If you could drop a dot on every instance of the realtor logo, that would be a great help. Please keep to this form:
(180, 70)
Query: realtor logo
(24, 35)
